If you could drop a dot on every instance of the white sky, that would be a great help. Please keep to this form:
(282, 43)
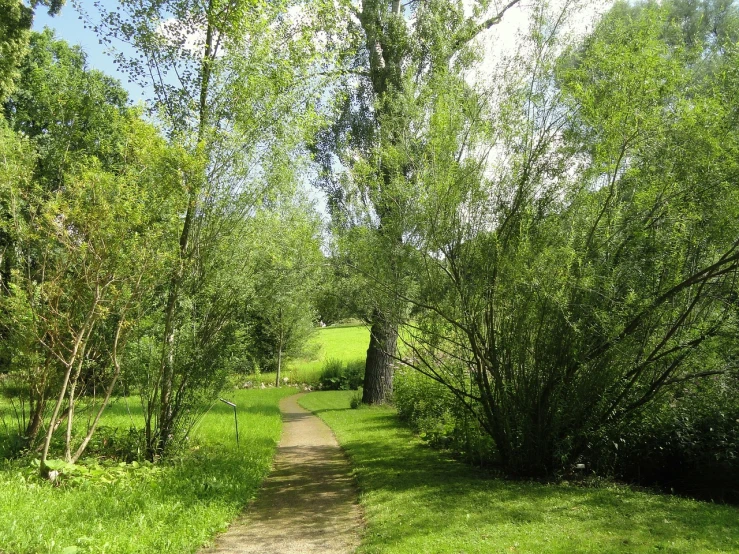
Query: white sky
(502, 39)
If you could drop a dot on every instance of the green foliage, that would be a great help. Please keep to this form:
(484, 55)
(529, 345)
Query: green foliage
(338, 375)
(84, 232)
(287, 264)
(416, 500)
(687, 443)
(16, 18)
(15, 24)
(67, 110)
(432, 411)
(591, 265)
(339, 296)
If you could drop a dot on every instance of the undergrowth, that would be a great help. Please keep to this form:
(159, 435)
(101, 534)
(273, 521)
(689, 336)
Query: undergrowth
(105, 504)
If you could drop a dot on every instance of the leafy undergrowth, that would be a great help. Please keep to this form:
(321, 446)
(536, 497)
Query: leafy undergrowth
(117, 507)
(416, 500)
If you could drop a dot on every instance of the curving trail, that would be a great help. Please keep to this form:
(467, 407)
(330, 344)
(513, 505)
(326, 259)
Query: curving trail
(308, 504)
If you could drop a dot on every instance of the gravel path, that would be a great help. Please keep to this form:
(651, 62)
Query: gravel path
(308, 504)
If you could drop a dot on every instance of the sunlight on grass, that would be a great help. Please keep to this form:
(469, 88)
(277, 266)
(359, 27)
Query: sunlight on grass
(173, 508)
(417, 500)
(341, 343)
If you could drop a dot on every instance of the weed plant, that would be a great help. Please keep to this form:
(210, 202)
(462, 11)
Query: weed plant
(339, 375)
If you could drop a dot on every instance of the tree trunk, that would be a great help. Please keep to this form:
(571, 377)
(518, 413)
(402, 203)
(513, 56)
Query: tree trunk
(35, 420)
(279, 366)
(6, 354)
(158, 440)
(378, 370)
(37, 404)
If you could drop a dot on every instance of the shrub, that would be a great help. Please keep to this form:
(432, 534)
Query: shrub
(433, 412)
(338, 375)
(356, 400)
(688, 443)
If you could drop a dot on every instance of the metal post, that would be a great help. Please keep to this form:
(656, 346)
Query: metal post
(236, 419)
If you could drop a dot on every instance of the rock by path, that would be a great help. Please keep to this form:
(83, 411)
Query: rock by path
(308, 504)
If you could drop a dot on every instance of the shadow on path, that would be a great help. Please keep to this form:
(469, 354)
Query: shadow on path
(308, 504)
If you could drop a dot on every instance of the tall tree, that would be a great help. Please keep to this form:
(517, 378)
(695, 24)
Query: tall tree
(227, 79)
(67, 114)
(588, 269)
(400, 48)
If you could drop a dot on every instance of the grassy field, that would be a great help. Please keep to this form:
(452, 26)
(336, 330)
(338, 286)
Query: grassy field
(416, 500)
(342, 343)
(175, 507)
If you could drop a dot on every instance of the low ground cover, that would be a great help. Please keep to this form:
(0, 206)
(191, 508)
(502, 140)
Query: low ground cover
(417, 500)
(111, 506)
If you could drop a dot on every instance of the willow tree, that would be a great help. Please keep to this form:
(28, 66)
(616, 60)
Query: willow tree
(400, 50)
(228, 83)
(591, 263)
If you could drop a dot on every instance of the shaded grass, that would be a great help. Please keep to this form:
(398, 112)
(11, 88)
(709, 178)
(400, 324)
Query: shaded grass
(417, 500)
(175, 507)
(345, 344)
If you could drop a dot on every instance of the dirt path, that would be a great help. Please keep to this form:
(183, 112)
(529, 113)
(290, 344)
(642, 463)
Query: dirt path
(308, 504)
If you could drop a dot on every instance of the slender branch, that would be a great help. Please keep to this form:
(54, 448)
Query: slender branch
(478, 28)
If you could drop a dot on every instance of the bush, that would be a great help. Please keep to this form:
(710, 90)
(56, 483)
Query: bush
(433, 412)
(687, 443)
(338, 375)
(356, 400)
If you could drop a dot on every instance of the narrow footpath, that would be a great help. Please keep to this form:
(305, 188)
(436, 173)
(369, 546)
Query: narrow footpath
(308, 504)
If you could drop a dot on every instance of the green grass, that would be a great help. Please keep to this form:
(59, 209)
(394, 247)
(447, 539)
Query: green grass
(175, 507)
(341, 343)
(416, 500)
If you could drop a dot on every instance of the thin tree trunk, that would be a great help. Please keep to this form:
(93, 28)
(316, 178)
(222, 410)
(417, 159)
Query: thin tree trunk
(378, 371)
(166, 410)
(106, 399)
(65, 382)
(37, 405)
(279, 365)
(280, 342)
(70, 412)
(34, 422)
(167, 363)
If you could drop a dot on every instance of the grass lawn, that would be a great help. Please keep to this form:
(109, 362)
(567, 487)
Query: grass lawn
(175, 507)
(343, 343)
(417, 501)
